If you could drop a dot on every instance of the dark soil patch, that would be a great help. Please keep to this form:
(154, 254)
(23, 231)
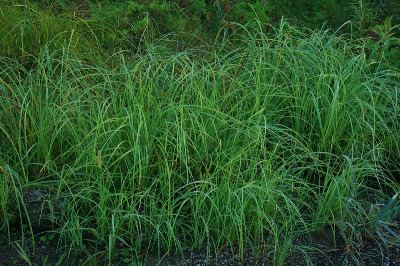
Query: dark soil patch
(44, 251)
(323, 248)
(370, 254)
(328, 248)
(320, 252)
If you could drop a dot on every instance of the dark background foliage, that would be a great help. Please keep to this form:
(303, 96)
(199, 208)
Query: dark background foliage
(94, 27)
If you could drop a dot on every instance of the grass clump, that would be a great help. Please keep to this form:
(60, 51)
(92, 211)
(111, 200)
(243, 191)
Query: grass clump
(249, 143)
(28, 31)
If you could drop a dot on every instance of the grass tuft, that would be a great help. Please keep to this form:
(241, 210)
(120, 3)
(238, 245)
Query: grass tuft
(251, 142)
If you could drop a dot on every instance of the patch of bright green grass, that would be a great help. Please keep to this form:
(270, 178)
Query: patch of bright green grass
(239, 145)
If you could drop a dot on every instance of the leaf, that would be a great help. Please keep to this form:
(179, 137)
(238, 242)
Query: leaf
(391, 231)
(99, 160)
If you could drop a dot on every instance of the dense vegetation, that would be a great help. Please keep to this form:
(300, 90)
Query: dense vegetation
(97, 28)
(155, 126)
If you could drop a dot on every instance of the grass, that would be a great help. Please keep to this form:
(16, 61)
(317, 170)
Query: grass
(249, 143)
(26, 30)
